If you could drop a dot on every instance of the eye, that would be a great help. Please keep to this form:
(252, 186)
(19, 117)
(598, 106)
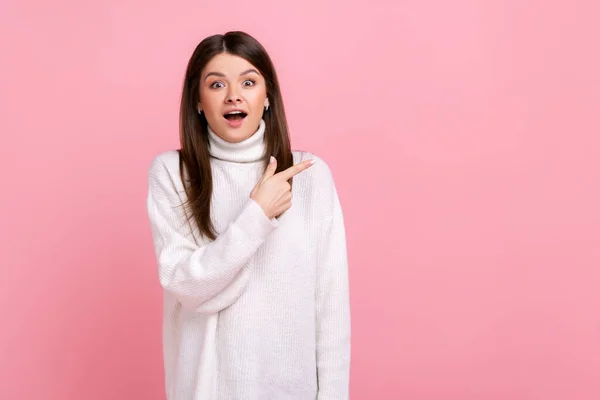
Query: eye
(217, 85)
(249, 82)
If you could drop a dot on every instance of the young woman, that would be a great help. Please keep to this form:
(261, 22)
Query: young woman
(250, 242)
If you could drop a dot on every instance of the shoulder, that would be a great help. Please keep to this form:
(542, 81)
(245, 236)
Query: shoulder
(320, 174)
(317, 185)
(164, 167)
(165, 162)
(164, 174)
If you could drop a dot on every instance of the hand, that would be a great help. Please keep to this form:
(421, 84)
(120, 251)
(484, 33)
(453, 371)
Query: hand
(273, 193)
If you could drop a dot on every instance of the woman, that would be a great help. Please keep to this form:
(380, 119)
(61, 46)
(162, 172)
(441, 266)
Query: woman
(256, 302)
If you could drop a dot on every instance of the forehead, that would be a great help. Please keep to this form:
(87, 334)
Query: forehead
(227, 64)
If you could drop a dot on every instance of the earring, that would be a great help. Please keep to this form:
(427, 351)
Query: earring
(199, 110)
(267, 107)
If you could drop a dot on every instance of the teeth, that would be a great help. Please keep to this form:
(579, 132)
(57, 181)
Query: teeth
(234, 112)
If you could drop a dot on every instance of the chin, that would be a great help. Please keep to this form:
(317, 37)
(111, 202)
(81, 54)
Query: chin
(239, 134)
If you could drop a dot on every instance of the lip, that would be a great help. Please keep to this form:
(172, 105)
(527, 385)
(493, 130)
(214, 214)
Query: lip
(235, 109)
(235, 124)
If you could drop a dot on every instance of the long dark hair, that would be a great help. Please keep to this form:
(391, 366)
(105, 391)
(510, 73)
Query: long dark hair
(194, 159)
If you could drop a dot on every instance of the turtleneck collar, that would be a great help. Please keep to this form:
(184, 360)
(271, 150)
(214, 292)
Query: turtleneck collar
(248, 150)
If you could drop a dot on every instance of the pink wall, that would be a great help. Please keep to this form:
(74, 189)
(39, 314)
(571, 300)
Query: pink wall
(464, 137)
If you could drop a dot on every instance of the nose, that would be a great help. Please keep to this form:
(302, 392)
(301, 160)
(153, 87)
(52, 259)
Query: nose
(233, 97)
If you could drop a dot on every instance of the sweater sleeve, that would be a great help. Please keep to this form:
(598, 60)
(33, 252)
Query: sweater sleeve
(333, 307)
(205, 278)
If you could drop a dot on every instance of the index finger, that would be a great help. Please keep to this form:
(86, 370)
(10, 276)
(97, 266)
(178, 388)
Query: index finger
(296, 169)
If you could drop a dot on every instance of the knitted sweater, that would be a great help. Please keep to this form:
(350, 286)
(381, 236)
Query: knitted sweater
(262, 312)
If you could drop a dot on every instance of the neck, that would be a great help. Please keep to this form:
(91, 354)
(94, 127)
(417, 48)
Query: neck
(248, 150)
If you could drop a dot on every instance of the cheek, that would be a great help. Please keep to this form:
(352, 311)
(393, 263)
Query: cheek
(257, 101)
(211, 102)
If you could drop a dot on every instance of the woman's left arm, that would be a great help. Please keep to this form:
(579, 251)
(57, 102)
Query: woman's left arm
(333, 304)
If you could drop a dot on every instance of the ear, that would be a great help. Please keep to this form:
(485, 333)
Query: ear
(267, 103)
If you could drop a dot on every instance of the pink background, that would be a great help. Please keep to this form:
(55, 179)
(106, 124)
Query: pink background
(464, 138)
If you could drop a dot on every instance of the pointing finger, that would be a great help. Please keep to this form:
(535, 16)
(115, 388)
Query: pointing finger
(296, 169)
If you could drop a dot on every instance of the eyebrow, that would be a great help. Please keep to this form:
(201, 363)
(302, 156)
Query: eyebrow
(248, 71)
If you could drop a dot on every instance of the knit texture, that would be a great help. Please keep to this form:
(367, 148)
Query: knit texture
(262, 312)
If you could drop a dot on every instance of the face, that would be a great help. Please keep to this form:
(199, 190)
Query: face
(233, 97)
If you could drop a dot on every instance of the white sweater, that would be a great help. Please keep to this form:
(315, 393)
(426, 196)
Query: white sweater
(263, 311)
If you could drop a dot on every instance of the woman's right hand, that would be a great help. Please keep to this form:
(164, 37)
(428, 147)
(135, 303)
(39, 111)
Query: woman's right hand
(273, 193)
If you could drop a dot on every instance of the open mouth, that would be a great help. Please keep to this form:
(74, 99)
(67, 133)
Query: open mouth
(235, 115)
